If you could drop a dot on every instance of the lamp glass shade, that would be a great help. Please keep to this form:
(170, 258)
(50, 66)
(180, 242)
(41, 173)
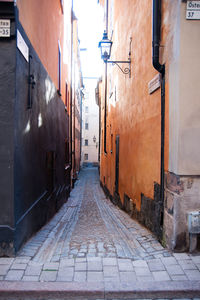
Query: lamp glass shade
(105, 44)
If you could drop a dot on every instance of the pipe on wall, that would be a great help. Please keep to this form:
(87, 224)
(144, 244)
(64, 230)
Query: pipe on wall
(105, 102)
(70, 131)
(156, 29)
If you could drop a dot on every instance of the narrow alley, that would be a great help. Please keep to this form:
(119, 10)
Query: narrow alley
(89, 225)
(90, 241)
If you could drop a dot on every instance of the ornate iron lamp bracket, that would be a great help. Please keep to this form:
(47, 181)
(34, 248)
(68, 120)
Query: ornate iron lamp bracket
(126, 70)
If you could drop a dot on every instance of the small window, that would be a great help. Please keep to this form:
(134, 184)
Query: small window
(86, 126)
(61, 3)
(111, 149)
(86, 142)
(66, 96)
(59, 69)
(66, 151)
(86, 109)
(86, 156)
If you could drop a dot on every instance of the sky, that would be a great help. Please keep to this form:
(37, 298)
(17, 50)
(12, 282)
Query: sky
(90, 32)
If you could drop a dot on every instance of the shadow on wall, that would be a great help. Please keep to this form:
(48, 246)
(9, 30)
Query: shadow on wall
(41, 183)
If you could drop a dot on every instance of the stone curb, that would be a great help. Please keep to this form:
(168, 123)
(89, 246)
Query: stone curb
(107, 290)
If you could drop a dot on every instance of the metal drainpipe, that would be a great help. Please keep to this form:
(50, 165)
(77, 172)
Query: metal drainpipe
(106, 71)
(156, 22)
(105, 109)
(74, 134)
(71, 86)
(81, 113)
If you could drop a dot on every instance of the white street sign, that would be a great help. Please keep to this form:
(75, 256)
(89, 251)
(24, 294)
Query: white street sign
(193, 10)
(154, 84)
(22, 46)
(4, 28)
(194, 5)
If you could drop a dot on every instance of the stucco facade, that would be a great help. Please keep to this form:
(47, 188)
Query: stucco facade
(90, 123)
(36, 93)
(131, 166)
(76, 103)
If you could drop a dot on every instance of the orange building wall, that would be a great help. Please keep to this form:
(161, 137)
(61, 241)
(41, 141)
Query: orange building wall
(76, 101)
(43, 22)
(134, 114)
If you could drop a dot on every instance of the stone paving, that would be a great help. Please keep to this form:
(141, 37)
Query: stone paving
(91, 240)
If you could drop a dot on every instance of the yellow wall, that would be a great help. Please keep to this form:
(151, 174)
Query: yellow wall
(132, 112)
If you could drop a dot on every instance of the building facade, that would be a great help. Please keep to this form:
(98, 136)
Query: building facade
(90, 123)
(76, 100)
(149, 155)
(35, 115)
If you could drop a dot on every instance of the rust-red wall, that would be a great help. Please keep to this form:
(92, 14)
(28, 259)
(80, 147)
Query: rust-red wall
(43, 22)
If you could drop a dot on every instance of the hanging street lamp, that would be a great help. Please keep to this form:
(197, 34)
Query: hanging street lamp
(105, 45)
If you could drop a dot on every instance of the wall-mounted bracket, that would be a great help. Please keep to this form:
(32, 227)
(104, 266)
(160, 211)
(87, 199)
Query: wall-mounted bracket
(31, 83)
(126, 70)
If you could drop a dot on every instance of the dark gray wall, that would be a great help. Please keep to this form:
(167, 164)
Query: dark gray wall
(40, 132)
(7, 100)
(33, 182)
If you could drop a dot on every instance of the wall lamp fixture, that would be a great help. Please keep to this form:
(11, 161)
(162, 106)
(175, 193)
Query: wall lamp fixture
(105, 45)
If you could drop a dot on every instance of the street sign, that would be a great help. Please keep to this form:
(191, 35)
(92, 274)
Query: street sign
(154, 84)
(4, 28)
(193, 10)
(22, 46)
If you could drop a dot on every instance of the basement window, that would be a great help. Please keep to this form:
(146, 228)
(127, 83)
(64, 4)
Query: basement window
(59, 69)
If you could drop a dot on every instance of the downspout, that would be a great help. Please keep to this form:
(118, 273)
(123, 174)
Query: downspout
(105, 109)
(81, 113)
(156, 22)
(71, 89)
(74, 135)
(106, 74)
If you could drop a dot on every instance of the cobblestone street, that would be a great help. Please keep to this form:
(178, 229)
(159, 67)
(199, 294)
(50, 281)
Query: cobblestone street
(91, 240)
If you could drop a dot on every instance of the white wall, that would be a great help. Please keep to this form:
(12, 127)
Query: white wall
(184, 96)
(92, 118)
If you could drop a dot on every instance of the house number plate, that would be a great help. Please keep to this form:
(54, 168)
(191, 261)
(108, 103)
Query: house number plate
(4, 28)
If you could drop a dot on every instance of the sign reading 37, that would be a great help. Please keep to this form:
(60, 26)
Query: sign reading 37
(193, 10)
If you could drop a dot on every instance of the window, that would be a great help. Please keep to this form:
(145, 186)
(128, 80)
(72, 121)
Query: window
(86, 156)
(86, 142)
(86, 126)
(111, 150)
(66, 152)
(86, 109)
(66, 96)
(61, 3)
(59, 69)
